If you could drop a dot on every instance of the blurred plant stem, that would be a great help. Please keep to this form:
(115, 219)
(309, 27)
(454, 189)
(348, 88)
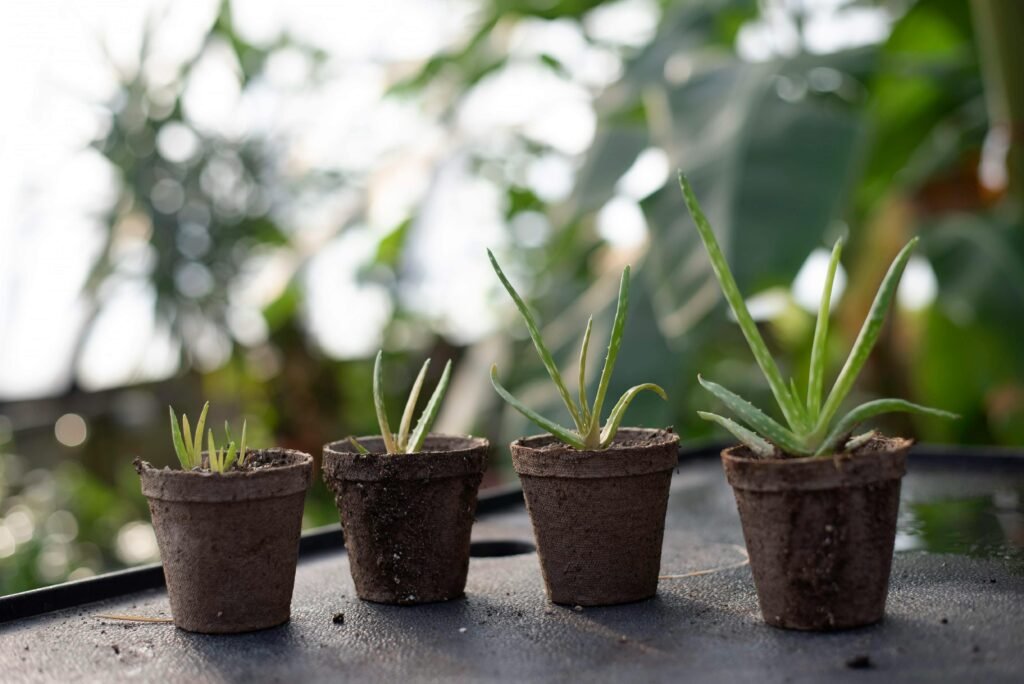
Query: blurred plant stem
(999, 25)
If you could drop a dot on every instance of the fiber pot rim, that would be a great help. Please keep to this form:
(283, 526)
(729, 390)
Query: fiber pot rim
(618, 460)
(166, 484)
(342, 462)
(882, 458)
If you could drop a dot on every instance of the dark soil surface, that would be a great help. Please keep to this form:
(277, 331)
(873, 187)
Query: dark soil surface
(264, 459)
(878, 443)
(257, 459)
(375, 445)
(622, 441)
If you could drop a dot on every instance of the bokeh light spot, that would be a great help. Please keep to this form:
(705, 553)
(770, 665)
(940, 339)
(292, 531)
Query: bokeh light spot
(70, 430)
(809, 284)
(136, 543)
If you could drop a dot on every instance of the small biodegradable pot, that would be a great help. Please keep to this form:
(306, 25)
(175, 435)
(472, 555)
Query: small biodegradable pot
(230, 543)
(598, 516)
(407, 518)
(820, 532)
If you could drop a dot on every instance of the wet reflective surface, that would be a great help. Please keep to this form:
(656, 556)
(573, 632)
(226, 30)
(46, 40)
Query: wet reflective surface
(974, 513)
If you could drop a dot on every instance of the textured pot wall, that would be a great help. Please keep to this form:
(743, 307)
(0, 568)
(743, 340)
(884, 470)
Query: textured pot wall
(229, 543)
(598, 516)
(820, 533)
(407, 518)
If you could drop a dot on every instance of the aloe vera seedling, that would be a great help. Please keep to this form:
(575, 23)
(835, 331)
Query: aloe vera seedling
(812, 430)
(404, 441)
(188, 447)
(586, 416)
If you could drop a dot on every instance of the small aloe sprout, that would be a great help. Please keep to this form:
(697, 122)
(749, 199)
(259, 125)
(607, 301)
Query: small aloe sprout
(811, 429)
(586, 416)
(406, 441)
(189, 446)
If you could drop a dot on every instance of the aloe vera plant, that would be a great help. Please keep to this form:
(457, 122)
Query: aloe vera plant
(586, 416)
(812, 429)
(406, 441)
(188, 447)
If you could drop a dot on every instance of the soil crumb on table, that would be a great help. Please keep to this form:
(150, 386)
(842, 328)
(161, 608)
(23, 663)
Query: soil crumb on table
(860, 662)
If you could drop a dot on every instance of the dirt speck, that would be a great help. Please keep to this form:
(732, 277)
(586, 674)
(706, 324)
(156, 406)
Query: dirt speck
(860, 662)
(944, 621)
(338, 619)
(117, 649)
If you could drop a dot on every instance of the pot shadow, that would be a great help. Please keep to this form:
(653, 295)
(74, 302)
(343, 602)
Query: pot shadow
(650, 626)
(896, 640)
(274, 653)
(479, 636)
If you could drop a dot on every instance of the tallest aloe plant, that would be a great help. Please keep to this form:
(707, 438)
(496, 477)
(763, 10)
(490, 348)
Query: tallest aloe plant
(812, 429)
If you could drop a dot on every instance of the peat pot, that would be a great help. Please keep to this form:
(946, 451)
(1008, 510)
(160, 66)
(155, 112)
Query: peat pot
(598, 516)
(820, 532)
(407, 518)
(230, 542)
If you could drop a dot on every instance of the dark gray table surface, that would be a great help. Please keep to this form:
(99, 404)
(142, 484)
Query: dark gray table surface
(951, 617)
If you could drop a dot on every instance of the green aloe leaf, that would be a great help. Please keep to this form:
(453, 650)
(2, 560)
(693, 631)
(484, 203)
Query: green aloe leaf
(538, 343)
(584, 404)
(801, 409)
(242, 448)
(619, 410)
(358, 447)
(410, 407)
(229, 458)
(866, 339)
(189, 443)
(614, 344)
(378, 405)
(179, 444)
(756, 419)
(816, 377)
(789, 404)
(212, 455)
(197, 448)
(555, 429)
(869, 410)
(746, 437)
(430, 412)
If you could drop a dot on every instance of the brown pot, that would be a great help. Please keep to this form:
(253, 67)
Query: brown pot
(407, 517)
(598, 516)
(820, 532)
(229, 543)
